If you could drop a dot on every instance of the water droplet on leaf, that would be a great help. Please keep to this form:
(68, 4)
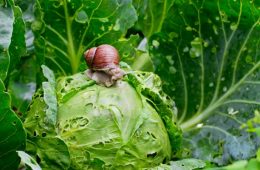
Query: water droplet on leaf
(186, 49)
(82, 17)
(196, 48)
(155, 43)
(172, 70)
(211, 84)
(188, 28)
(170, 60)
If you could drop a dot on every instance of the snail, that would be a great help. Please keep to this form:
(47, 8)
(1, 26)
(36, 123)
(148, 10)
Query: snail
(103, 63)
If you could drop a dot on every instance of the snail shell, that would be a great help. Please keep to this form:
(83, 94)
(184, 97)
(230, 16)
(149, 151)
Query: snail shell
(102, 57)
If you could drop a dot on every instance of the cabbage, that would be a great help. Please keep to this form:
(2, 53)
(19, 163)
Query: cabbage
(127, 126)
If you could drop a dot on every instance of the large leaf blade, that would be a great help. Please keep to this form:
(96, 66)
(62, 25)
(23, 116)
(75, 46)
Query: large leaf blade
(12, 133)
(210, 51)
(73, 26)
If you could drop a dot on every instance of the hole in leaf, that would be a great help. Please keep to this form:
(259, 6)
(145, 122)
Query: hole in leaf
(44, 134)
(68, 80)
(35, 133)
(38, 159)
(151, 155)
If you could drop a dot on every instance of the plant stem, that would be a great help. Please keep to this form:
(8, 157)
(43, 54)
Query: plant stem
(74, 61)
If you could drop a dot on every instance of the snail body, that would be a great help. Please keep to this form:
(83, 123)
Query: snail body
(103, 63)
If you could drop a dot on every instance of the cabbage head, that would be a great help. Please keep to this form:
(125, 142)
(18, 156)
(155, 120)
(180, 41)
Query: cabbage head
(73, 123)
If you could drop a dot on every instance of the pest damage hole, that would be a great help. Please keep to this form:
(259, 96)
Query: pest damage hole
(38, 159)
(151, 155)
(44, 134)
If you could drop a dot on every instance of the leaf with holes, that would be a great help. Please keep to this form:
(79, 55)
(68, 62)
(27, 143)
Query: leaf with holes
(208, 56)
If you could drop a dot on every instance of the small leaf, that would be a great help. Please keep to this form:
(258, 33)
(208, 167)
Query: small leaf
(212, 71)
(50, 95)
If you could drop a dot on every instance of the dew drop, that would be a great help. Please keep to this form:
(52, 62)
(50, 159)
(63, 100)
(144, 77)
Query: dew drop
(155, 43)
(224, 89)
(211, 84)
(170, 60)
(186, 49)
(206, 44)
(188, 28)
(82, 17)
(223, 79)
(172, 70)
(196, 45)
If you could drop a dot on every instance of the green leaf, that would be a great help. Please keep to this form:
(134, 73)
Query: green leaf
(51, 152)
(12, 42)
(12, 133)
(17, 46)
(208, 58)
(143, 62)
(28, 17)
(50, 95)
(151, 15)
(28, 160)
(6, 27)
(73, 26)
(149, 85)
(22, 84)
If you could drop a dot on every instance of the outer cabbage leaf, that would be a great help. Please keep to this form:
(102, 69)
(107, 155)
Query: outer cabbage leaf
(208, 58)
(65, 29)
(12, 133)
(149, 85)
(43, 143)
